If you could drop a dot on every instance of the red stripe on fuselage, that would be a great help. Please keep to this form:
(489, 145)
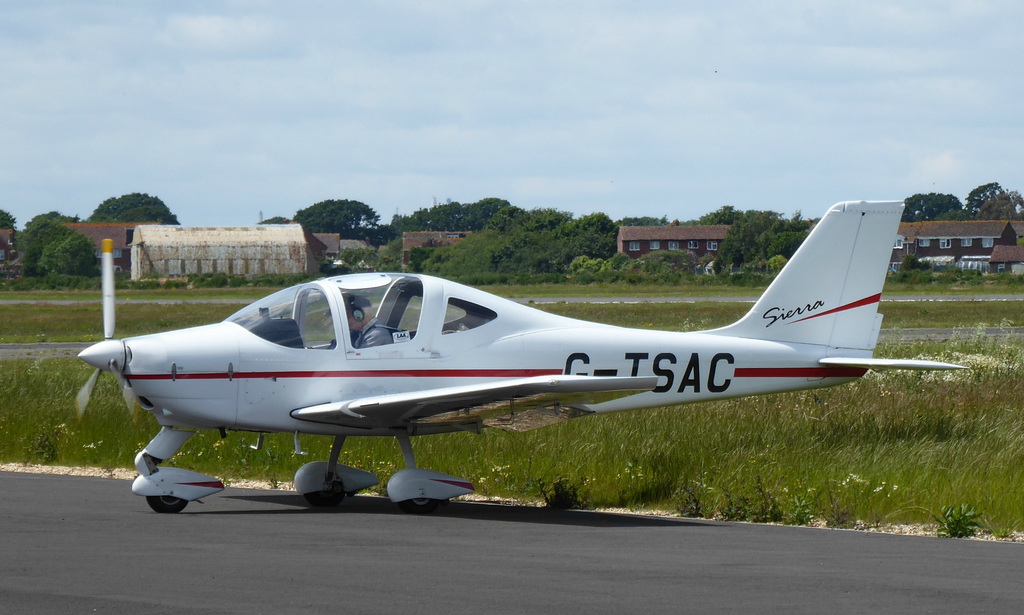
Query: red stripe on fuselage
(372, 373)
(213, 484)
(456, 483)
(799, 372)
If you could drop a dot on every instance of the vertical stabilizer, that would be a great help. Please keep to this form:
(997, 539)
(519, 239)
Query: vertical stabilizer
(828, 292)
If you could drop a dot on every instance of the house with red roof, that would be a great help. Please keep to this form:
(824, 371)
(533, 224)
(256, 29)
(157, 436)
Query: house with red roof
(121, 233)
(636, 241)
(943, 244)
(1007, 259)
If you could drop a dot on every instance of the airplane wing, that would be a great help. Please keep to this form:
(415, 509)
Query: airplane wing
(515, 405)
(888, 363)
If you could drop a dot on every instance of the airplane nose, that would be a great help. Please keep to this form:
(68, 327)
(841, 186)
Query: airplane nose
(100, 355)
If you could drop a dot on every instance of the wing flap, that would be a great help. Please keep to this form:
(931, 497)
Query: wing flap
(870, 363)
(519, 404)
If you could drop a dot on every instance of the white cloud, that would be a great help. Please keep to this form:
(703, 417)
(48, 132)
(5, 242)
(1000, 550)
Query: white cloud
(226, 108)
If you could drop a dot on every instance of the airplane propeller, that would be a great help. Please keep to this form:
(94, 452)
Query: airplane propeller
(109, 355)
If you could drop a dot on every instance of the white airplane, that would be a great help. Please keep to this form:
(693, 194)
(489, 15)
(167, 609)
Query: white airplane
(402, 355)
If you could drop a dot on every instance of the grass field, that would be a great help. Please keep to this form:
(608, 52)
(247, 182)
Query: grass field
(892, 447)
(80, 322)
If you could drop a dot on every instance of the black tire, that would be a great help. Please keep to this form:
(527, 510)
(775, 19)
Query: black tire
(324, 498)
(419, 506)
(166, 503)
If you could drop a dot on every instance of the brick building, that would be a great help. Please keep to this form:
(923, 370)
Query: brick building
(121, 233)
(1007, 259)
(635, 241)
(429, 239)
(965, 245)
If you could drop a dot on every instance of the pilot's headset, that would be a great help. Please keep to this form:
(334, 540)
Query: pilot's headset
(357, 305)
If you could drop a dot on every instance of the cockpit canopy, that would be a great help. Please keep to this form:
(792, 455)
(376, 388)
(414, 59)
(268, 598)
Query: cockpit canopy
(363, 310)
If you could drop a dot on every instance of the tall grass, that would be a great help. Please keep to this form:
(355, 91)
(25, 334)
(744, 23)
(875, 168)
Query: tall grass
(892, 447)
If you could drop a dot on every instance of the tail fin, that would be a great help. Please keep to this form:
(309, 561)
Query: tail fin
(828, 292)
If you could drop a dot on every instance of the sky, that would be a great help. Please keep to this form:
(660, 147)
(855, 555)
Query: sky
(225, 110)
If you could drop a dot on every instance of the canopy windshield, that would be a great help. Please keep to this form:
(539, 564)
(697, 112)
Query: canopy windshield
(296, 317)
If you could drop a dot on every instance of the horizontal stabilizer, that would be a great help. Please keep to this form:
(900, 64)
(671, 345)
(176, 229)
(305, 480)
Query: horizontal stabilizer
(473, 402)
(889, 363)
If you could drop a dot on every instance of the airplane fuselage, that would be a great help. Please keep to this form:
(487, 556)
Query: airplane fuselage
(223, 376)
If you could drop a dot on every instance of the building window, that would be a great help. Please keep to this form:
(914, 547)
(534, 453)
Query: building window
(655, 245)
(673, 245)
(945, 243)
(692, 244)
(712, 246)
(924, 243)
(1001, 268)
(117, 252)
(634, 246)
(1, 256)
(987, 242)
(899, 244)
(966, 242)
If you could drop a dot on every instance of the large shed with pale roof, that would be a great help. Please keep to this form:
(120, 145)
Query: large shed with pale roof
(267, 249)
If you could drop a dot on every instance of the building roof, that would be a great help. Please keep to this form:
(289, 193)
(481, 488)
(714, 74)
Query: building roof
(6, 234)
(352, 244)
(114, 231)
(1018, 227)
(673, 232)
(330, 241)
(952, 229)
(235, 236)
(1007, 254)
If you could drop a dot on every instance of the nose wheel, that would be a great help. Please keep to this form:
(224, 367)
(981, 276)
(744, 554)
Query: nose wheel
(419, 506)
(166, 503)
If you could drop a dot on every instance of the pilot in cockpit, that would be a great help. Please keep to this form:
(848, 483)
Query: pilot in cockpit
(364, 329)
(357, 307)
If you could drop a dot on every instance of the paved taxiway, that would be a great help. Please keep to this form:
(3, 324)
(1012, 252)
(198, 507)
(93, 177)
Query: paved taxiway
(82, 545)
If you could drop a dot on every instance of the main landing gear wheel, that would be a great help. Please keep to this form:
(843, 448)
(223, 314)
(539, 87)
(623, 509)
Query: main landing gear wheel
(419, 506)
(166, 503)
(324, 498)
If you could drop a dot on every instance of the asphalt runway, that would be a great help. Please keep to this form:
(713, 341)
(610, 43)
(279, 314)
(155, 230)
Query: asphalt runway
(83, 545)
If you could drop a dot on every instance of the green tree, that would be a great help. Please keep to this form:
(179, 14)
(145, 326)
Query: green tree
(978, 196)
(134, 207)
(776, 263)
(507, 219)
(451, 216)
(756, 236)
(6, 220)
(276, 220)
(593, 235)
(726, 214)
(472, 255)
(667, 261)
(70, 253)
(643, 221)
(350, 219)
(1005, 205)
(41, 232)
(932, 206)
